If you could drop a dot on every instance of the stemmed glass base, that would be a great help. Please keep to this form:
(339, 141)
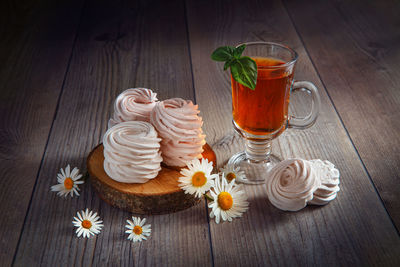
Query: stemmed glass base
(256, 161)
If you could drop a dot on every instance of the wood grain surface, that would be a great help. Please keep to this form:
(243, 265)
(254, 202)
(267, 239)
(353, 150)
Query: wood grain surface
(358, 60)
(33, 36)
(119, 45)
(64, 62)
(341, 233)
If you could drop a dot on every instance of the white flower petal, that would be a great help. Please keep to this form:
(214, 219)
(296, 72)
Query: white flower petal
(212, 215)
(94, 220)
(75, 191)
(136, 221)
(74, 172)
(239, 204)
(67, 171)
(60, 188)
(79, 232)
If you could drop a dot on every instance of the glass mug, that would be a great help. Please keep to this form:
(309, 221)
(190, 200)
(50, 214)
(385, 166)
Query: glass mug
(261, 115)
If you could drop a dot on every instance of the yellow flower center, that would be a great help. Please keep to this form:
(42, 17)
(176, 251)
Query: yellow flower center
(199, 179)
(137, 230)
(86, 224)
(230, 176)
(225, 200)
(68, 183)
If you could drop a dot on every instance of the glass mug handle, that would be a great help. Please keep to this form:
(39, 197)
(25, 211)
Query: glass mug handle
(309, 120)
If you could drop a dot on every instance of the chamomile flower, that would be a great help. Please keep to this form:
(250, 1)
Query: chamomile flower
(88, 223)
(229, 201)
(197, 177)
(67, 182)
(137, 229)
(231, 173)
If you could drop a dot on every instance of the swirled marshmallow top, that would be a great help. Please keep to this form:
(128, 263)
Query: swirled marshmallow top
(133, 104)
(291, 184)
(132, 152)
(179, 126)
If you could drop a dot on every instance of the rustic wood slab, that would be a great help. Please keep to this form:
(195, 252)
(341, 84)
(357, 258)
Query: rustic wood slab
(346, 231)
(357, 54)
(160, 195)
(119, 45)
(34, 35)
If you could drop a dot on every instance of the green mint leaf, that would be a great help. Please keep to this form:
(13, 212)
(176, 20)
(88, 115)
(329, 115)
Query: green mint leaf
(228, 63)
(244, 71)
(223, 53)
(238, 51)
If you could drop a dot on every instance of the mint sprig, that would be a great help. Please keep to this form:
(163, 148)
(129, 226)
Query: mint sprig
(243, 69)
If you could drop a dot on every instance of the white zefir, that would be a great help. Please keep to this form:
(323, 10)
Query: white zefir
(134, 104)
(178, 124)
(291, 184)
(329, 177)
(132, 152)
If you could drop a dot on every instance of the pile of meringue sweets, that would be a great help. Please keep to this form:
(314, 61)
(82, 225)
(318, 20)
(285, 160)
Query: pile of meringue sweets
(294, 183)
(143, 132)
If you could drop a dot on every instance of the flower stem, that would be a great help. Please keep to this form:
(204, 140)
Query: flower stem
(208, 197)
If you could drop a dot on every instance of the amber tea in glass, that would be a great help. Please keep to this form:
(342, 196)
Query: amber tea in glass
(261, 115)
(264, 110)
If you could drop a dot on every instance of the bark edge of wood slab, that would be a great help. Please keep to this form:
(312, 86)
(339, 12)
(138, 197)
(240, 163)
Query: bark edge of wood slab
(160, 195)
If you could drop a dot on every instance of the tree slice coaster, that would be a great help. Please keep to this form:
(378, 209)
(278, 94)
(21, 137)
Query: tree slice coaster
(158, 196)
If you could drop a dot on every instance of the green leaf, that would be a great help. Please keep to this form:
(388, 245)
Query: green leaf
(228, 63)
(238, 51)
(223, 53)
(244, 71)
(208, 197)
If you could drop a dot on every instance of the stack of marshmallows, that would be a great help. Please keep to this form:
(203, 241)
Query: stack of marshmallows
(294, 183)
(143, 132)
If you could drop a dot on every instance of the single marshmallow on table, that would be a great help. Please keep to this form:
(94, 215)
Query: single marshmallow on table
(179, 126)
(329, 177)
(288, 186)
(291, 184)
(133, 104)
(132, 152)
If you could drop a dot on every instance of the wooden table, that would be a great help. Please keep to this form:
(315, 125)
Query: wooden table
(64, 62)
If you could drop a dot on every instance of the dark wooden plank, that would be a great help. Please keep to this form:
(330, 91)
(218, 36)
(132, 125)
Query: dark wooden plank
(35, 36)
(120, 45)
(352, 230)
(355, 45)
